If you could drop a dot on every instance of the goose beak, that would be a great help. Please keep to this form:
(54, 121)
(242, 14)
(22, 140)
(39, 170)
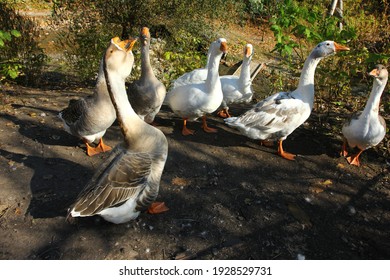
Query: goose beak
(248, 51)
(223, 47)
(145, 33)
(126, 45)
(339, 47)
(374, 73)
(130, 44)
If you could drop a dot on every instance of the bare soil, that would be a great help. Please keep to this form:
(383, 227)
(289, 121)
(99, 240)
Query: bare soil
(229, 197)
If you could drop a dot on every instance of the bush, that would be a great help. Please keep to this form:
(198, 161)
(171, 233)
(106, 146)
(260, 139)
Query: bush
(186, 26)
(20, 56)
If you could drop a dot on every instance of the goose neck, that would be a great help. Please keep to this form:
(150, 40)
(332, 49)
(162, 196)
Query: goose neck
(129, 122)
(212, 75)
(146, 68)
(245, 74)
(372, 105)
(308, 71)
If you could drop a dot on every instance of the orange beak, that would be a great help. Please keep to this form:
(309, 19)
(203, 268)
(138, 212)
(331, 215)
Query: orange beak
(126, 45)
(374, 73)
(248, 51)
(339, 47)
(145, 32)
(223, 47)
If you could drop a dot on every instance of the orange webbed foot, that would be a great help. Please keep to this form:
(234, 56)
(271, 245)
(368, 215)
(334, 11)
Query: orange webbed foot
(224, 114)
(284, 154)
(185, 131)
(157, 208)
(206, 128)
(288, 156)
(353, 160)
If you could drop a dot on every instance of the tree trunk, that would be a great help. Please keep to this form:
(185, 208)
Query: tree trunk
(332, 7)
(340, 12)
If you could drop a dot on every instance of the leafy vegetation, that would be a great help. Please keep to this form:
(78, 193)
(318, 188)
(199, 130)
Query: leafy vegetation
(21, 58)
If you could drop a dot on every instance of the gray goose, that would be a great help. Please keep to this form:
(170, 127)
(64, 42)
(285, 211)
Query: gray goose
(128, 181)
(366, 129)
(90, 117)
(146, 94)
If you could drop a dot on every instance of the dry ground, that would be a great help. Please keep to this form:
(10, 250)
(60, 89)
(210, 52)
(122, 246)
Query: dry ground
(229, 197)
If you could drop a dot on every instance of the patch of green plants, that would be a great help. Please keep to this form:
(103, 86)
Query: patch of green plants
(9, 68)
(21, 58)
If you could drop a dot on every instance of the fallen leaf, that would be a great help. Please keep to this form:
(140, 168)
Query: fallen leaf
(18, 211)
(177, 181)
(32, 114)
(327, 182)
(316, 189)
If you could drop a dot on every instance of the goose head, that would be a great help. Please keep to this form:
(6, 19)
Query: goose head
(220, 46)
(327, 48)
(380, 73)
(119, 58)
(145, 36)
(248, 50)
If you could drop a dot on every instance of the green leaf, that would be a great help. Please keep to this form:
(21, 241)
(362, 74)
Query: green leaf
(7, 36)
(1, 43)
(16, 33)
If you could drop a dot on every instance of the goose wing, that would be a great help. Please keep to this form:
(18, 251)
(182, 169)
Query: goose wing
(124, 176)
(280, 113)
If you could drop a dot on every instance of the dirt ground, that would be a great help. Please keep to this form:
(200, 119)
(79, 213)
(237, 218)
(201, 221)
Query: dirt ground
(229, 197)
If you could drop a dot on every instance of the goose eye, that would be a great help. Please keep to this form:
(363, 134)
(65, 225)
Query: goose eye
(327, 44)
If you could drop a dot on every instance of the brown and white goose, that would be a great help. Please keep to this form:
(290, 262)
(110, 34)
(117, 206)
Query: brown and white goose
(90, 117)
(366, 129)
(128, 181)
(277, 116)
(146, 94)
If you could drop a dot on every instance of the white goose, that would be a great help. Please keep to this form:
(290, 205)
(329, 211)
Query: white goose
(367, 129)
(89, 118)
(279, 115)
(196, 75)
(235, 89)
(146, 94)
(195, 100)
(128, 181)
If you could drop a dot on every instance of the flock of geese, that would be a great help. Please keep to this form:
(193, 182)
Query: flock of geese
(128, 180)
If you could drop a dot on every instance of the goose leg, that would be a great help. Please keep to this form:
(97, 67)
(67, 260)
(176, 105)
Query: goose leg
(206, 128)
(344, 151)
(354, 159)
(284, 154)
(224, 113)
(157, 207)
(100, 148)
(185, 131)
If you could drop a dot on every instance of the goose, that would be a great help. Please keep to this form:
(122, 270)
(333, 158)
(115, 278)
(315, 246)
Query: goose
(128, 181)
(235, 89)
(146, 94)
(277, 116)
(197, 99)
(89, 118)
(196, 75)
(366, 129)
